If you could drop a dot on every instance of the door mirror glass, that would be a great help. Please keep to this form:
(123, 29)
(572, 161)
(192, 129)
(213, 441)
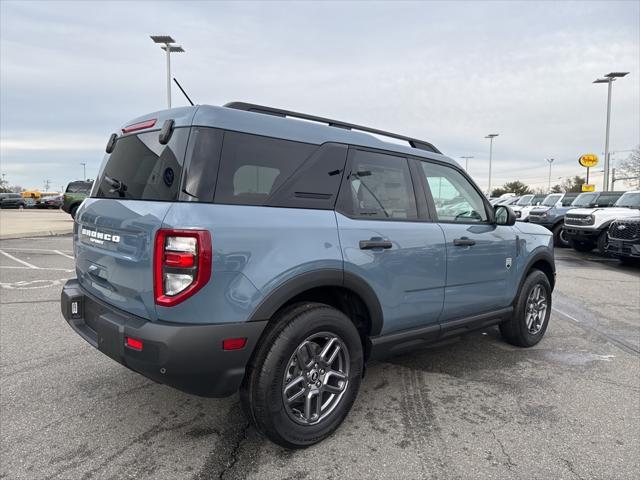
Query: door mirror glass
(504, 215)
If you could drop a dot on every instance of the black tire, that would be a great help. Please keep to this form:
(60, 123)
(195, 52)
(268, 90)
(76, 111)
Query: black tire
(73, 211)
(581, 246)
(515, 330)
(603, 241)
(559, 236)
(261, 393)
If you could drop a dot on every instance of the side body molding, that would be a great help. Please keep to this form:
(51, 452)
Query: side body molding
(321, 278)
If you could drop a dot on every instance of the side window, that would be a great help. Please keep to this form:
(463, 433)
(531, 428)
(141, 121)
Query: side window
(254, 167)
(454, 197)
(379, 186)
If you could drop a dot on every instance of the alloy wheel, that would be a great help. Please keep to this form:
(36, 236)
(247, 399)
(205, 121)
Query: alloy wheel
(536, 309)
(316, 378)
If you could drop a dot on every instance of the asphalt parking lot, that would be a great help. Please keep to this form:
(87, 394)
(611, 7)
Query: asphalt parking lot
(474, 408)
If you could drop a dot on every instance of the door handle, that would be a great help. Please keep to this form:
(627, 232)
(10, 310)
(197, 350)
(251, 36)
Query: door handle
(463, 242)
(375, 242)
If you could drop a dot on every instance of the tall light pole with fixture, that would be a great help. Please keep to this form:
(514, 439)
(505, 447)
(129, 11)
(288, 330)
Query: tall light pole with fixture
(491, 136)
(466, 162)
(168, 46)
(609, 78)
(550, 161)
(84, 170)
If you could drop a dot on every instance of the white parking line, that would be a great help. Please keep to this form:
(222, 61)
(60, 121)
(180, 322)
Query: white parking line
(63, 254)
(566, 315)
(26, 264)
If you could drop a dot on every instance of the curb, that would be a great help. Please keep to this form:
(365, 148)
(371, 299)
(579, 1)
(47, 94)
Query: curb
(45, 233)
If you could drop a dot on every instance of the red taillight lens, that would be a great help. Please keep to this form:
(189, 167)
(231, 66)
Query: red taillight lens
(134, 343)
(233, 343)
(139, 126)
(182, 264)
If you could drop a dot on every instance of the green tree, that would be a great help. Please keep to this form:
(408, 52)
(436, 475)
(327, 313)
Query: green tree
(516, 187)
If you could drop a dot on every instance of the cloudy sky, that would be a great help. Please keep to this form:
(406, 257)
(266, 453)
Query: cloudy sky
(446, 72)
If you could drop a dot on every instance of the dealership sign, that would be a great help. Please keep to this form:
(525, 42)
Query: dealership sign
(588, 187)
(589, 160)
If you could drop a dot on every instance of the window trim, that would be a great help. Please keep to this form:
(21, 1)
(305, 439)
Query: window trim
(344, 206)
(489, 211)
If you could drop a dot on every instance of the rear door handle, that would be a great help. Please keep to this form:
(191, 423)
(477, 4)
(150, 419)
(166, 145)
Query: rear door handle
(463, 242)
(375, 243)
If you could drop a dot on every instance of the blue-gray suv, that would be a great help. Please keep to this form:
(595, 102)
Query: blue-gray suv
(276, 253)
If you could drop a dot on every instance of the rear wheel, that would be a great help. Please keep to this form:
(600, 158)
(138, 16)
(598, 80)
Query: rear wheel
(531, 314)
(304, 376)
(581, 246)
(560, 236)
(73, 211)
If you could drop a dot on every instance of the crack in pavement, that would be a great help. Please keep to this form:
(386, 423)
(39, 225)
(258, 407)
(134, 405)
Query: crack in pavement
(509, 464)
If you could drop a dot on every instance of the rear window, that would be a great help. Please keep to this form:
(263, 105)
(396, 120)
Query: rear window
(252, 167)
(140, 168)
(568, 199)
(79, 187)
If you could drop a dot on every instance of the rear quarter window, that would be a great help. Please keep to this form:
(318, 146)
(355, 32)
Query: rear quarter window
(252, 167)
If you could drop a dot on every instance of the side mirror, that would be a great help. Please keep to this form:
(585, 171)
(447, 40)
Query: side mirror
(504, 215)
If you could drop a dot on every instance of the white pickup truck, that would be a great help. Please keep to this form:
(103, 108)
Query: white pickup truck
(587, 228)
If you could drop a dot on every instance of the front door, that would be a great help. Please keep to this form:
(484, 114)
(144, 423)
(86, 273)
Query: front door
(480, 254)
(386, 240)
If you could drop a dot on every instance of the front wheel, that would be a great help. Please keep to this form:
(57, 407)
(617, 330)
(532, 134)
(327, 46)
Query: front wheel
(305, 375)
(531, 314)
(560, 236)
(603, 241)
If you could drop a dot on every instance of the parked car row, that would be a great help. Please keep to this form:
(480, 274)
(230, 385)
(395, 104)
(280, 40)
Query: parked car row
(74, 194)
(606, 221)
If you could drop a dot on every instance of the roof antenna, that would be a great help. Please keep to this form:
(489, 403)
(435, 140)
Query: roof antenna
(182, 90)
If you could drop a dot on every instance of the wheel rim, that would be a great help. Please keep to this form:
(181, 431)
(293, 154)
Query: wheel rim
(563, 237)
(316, 378)
(536, 309)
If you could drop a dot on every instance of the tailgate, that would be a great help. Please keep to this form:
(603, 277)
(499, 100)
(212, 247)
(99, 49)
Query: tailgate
(113, 242)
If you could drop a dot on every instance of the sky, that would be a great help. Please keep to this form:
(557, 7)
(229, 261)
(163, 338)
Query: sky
(446, 72)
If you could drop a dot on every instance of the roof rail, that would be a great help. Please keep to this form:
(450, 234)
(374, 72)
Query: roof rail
(250, 107)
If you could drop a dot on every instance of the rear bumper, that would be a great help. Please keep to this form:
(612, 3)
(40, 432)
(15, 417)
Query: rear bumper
(187, 357)
(582, 234)
(621, 248)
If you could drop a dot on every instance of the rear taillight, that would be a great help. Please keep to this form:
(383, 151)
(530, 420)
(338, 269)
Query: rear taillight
(182, 264)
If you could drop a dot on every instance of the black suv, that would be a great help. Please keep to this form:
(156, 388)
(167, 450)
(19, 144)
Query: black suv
(624, 240)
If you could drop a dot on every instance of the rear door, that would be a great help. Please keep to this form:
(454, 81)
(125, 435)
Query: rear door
(115, 228)
(480, 254)
(387, 240)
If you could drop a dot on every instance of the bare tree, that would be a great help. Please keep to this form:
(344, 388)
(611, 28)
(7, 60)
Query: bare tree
(629, 168)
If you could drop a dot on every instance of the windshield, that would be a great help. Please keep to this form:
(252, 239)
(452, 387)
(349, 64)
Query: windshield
(525, 200)
(584, 199)
(140, 168)
(629, 199)
(551, 200)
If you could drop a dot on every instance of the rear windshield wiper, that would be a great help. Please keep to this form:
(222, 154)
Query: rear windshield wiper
(117, 186)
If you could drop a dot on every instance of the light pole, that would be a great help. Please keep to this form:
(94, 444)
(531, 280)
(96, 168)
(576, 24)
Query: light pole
(84, 170)
(609, 78)
(167, 45)
(550, 161)
(491, 136)
(466, 162)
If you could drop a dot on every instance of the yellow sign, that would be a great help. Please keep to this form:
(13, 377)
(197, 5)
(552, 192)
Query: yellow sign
(589, 160)
(588, 187)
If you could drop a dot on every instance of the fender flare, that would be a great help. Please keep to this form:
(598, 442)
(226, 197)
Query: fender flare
(536, 257)
(329, 277)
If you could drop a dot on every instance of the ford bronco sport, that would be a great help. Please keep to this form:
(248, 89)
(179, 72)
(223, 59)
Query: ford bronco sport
(275, 253)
